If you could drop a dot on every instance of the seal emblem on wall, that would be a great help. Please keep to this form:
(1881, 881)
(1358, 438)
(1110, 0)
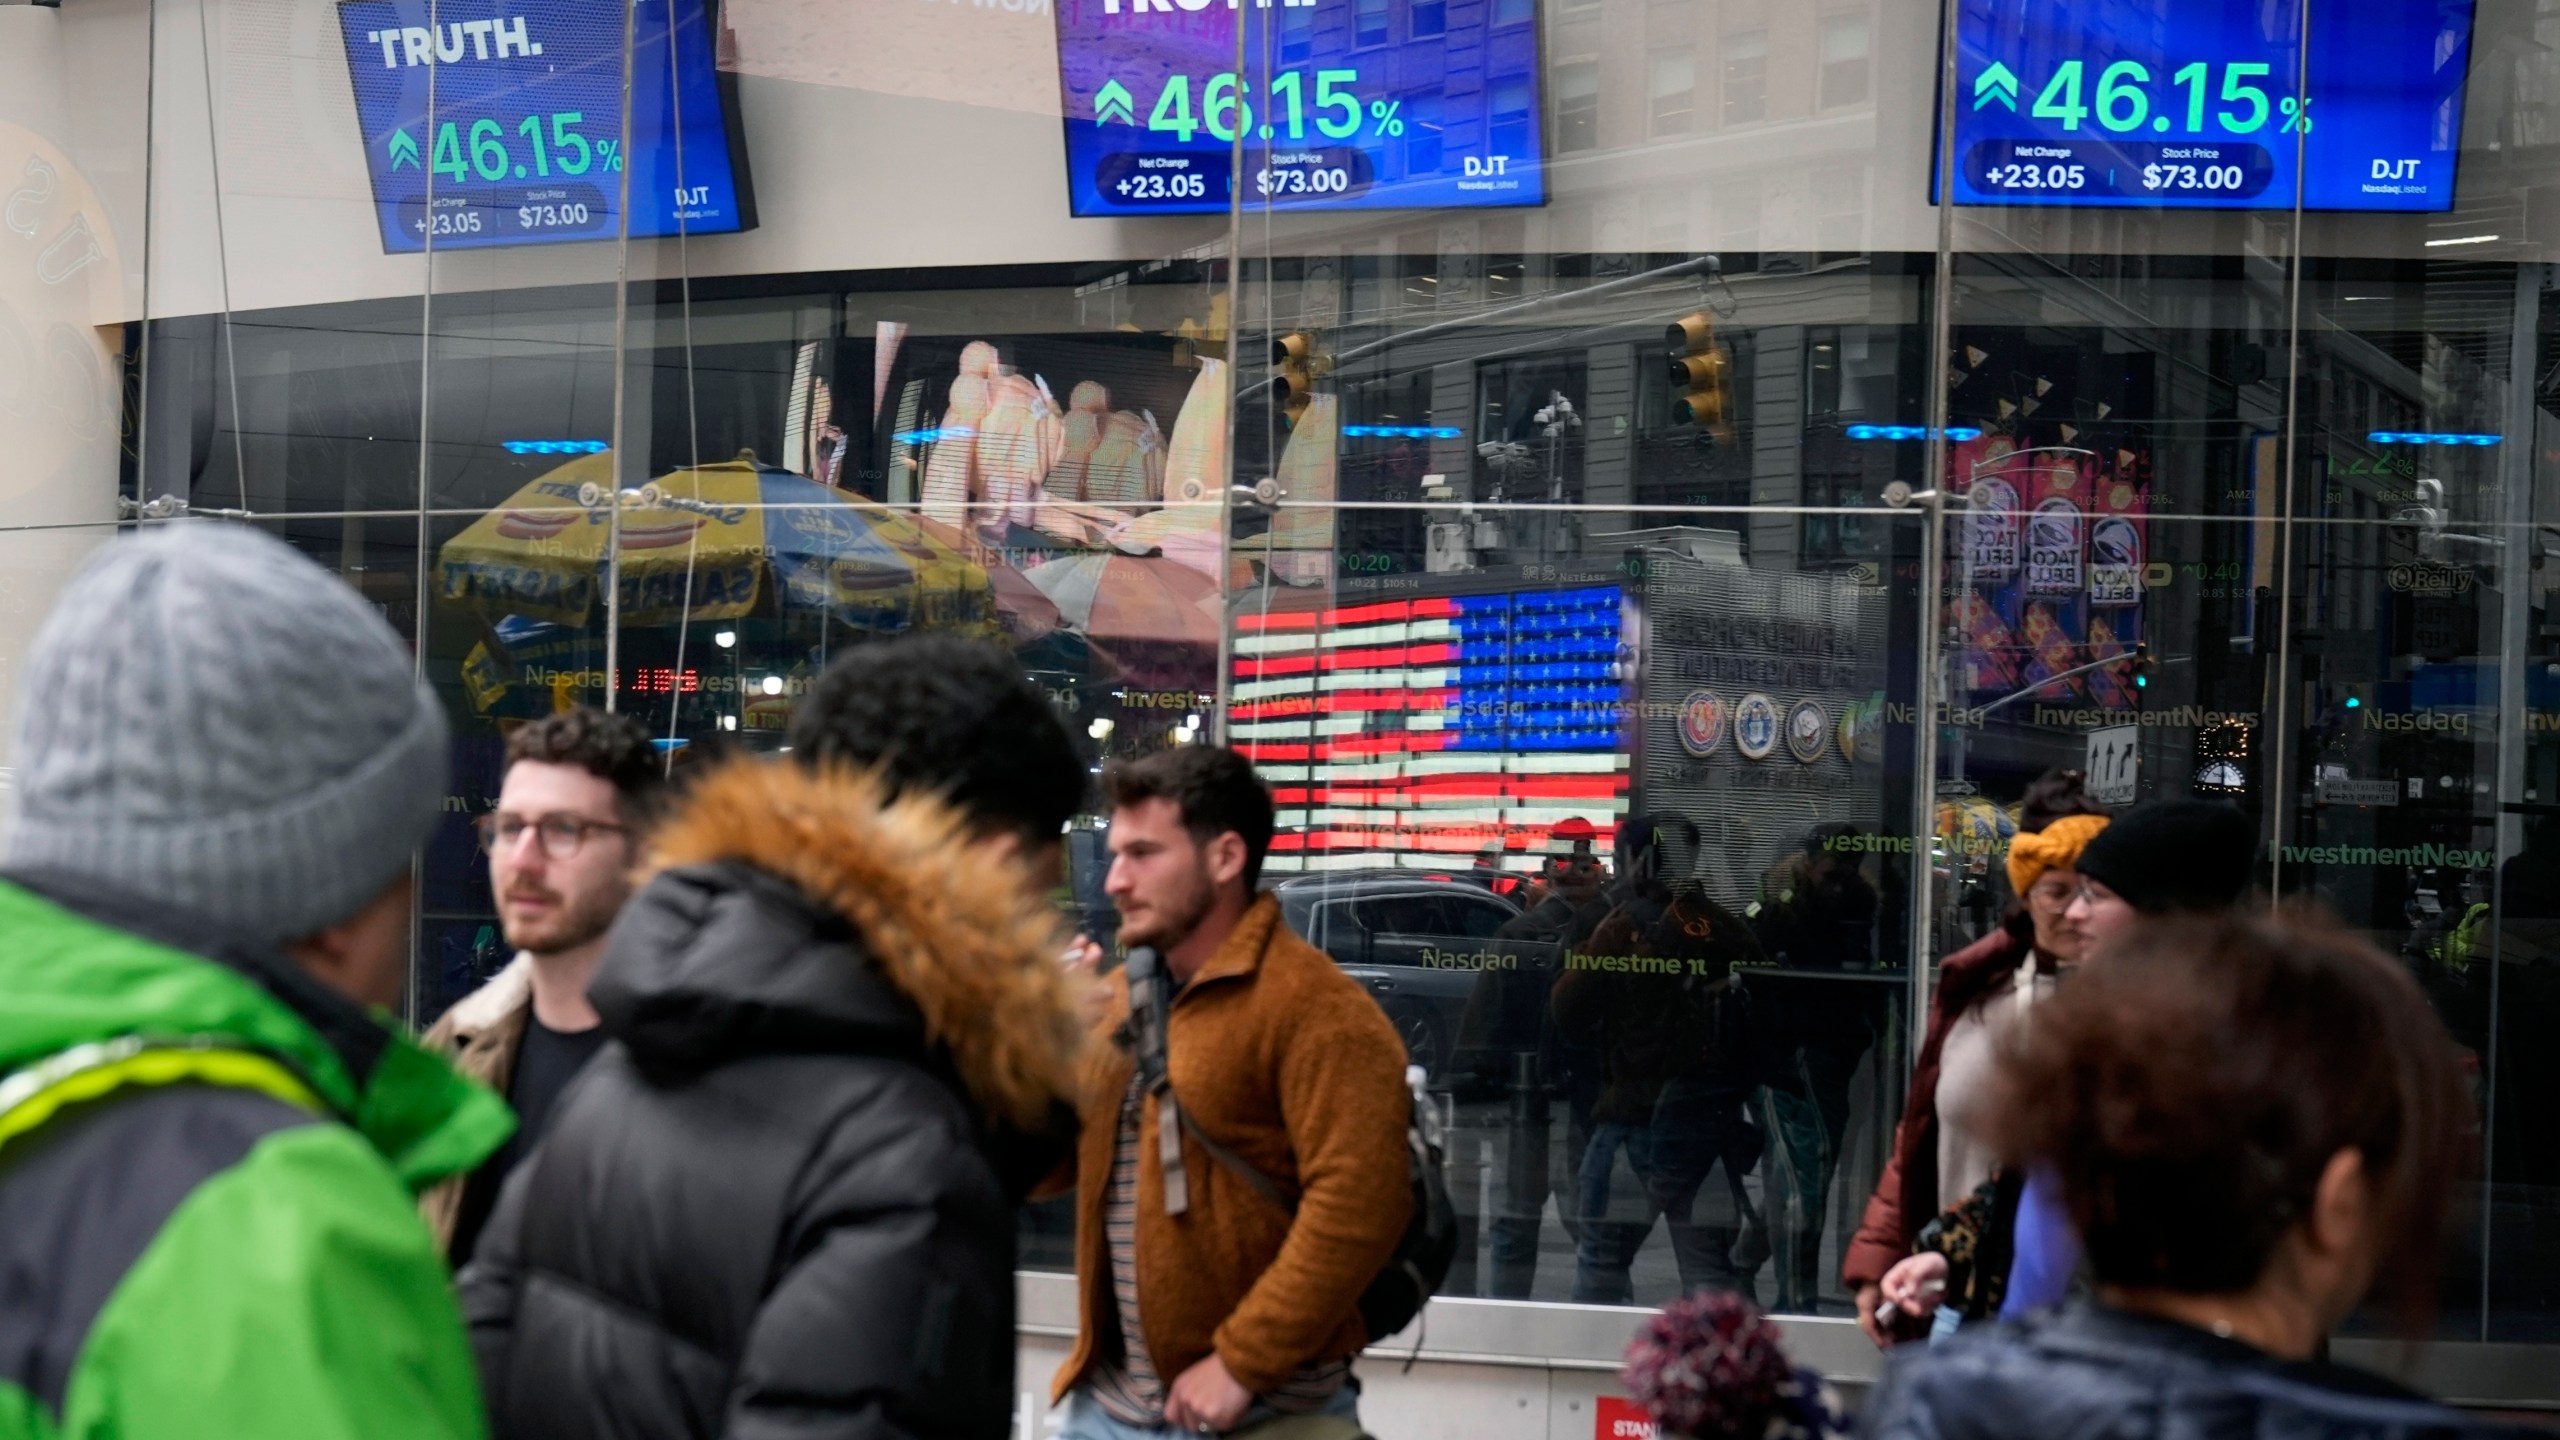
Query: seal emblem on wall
(1702, 722)
(1755, 726)
(1808, 730)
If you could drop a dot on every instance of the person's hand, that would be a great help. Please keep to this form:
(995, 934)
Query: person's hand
(1916, 1284)
(1083, 964)
(1870, 1297)
(1206, 1399)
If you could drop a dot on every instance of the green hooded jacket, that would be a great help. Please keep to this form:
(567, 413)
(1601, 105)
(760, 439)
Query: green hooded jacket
(207, 1171)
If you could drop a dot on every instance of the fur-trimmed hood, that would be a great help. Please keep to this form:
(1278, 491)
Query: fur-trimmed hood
(787, 910)
(486, 1008)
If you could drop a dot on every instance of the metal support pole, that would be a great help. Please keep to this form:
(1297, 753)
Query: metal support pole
(621, 382)
(1933, 554)
(1219, 688)
(2515, 628)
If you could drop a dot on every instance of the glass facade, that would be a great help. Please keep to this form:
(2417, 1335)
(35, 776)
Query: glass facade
(1647, 605)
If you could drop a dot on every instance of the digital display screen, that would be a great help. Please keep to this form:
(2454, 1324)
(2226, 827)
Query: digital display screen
(525, 145)
(2204, 104)
(1422, 733)
(1342, 105)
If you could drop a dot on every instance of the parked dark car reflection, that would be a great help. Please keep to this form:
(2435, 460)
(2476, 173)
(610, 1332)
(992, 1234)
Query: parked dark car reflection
(1417, 941)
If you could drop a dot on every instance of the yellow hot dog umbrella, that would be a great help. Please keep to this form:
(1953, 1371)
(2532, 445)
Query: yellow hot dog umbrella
(711, 543)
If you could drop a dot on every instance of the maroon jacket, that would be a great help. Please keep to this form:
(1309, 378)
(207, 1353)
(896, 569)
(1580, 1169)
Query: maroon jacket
(1906, 1194)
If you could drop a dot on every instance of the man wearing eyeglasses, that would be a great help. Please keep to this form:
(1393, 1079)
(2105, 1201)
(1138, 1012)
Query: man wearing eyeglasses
(579, 787)
(782, 1201)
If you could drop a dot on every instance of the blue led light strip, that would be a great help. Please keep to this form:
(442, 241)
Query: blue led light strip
(1908, 432)
(555, 447)
(1401, 432)
(2431, 437)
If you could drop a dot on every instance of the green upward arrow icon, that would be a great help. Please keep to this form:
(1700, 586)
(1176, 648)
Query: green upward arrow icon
(1997, 83)
(404, 151)
(1113, 102)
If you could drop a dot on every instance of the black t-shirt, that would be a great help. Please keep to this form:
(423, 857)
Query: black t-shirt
(545, 1064)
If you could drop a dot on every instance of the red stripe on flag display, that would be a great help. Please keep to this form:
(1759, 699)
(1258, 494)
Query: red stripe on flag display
(1248, 668)
(1386, 614)
(1391, 657)
(1278, 620)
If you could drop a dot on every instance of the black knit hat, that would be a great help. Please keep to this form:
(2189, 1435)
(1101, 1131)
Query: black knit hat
(2175, 855)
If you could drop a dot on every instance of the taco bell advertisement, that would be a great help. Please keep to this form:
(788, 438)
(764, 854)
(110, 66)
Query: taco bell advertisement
(2054, 556)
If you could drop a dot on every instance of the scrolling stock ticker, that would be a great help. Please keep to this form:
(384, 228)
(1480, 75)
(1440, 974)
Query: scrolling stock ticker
(526, 142)
(2200, 104)
(1341, 105)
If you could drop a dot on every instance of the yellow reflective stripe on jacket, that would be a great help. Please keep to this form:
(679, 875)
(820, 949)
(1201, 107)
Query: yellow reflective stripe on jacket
(83, 1073)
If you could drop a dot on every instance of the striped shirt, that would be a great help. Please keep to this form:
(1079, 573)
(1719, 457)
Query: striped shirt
(1125, 1383)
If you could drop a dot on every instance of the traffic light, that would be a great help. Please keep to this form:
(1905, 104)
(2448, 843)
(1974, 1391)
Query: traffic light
(1701, 376)
(1293, 372)
(2430, 516)
(2143, 665)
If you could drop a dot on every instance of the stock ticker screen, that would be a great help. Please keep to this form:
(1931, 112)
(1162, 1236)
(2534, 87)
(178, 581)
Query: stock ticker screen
(488, 123)
(2206, 104)
(1341, 105)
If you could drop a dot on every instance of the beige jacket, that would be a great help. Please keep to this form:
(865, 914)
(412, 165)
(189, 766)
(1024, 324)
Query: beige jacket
(480, 1035)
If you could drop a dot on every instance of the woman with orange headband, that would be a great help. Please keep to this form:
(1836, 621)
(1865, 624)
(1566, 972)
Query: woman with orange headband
(1939, 1154)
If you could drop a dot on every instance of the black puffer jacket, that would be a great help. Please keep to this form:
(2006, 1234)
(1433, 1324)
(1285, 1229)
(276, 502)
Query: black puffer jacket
(782, 1200)
(2090, 1373)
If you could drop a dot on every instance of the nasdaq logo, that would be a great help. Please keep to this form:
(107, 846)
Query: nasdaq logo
(407, 45)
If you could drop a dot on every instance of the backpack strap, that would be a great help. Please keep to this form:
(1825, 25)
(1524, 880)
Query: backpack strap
(31, 1096)
(1245, 1170)
(1150, 1004)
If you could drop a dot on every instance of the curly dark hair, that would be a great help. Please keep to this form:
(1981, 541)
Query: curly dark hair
(1213, 788)
(2193, 1082)
(2054, 794)
(952, 717)
(613, 748)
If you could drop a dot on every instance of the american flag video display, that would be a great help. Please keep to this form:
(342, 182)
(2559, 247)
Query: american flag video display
(1424, 733)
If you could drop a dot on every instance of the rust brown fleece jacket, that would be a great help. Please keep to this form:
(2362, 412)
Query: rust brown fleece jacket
(1280, 1057)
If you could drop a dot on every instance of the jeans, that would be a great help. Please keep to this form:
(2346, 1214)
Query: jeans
(1520, 1199)
(1087, 1420)
(1804, 1114)
(1692, 1130)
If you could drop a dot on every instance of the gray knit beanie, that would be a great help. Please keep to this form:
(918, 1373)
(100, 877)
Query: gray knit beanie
(211, 720)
